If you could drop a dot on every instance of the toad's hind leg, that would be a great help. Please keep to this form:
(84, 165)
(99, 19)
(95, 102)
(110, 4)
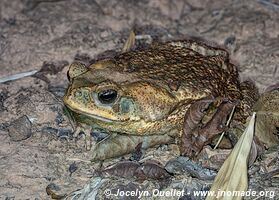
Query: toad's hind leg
(120, 144)
(250, 95)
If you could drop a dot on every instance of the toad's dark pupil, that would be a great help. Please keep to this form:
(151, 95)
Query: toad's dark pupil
(107, 96)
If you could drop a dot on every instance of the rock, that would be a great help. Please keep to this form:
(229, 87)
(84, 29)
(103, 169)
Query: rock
(20, 129)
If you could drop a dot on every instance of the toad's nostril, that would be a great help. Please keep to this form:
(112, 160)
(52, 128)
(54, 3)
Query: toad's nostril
(78, 94)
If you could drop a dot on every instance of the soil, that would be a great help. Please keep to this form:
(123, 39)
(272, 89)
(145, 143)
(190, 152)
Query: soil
(47, 35)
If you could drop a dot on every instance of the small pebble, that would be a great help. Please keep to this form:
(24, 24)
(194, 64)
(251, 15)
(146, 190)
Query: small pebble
(230, 40)
(50, 130)
(65, 132)
(20, 129)
(52, 189)
(73, 167)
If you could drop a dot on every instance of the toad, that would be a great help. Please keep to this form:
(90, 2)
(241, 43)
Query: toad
(143, 95)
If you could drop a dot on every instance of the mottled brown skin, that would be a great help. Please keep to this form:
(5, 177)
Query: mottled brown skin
(155, 87)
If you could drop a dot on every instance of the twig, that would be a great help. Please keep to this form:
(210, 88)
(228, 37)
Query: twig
(270, 4)
(17, 76)
(227, 124)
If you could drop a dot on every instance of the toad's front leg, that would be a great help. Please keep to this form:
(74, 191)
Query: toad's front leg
(196, 135)
(82, 128)
(79, 127)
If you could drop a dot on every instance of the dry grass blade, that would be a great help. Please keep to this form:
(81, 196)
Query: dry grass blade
(17, 76)
(232, 177)
(130, 42)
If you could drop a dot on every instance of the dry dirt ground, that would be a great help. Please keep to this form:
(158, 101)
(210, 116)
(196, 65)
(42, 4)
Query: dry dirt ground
(47, 35)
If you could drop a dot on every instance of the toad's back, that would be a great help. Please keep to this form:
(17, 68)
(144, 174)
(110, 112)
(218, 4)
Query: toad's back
(186, 66)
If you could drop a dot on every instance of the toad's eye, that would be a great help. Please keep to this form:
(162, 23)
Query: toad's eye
(107, 96)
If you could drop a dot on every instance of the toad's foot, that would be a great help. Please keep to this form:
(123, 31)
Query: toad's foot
(87, 135)
(199, 136)
(117, 145)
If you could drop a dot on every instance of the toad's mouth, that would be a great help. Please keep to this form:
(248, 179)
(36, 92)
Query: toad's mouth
(97, 117)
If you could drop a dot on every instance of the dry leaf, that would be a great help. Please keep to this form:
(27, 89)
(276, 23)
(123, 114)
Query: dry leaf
(272, 87)
(89, 190)
(184, 165)
(213, 159)
(233, 174)
(131, 169)
(192, 119)
(124, 169)
(195, 138)
(152, 171)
